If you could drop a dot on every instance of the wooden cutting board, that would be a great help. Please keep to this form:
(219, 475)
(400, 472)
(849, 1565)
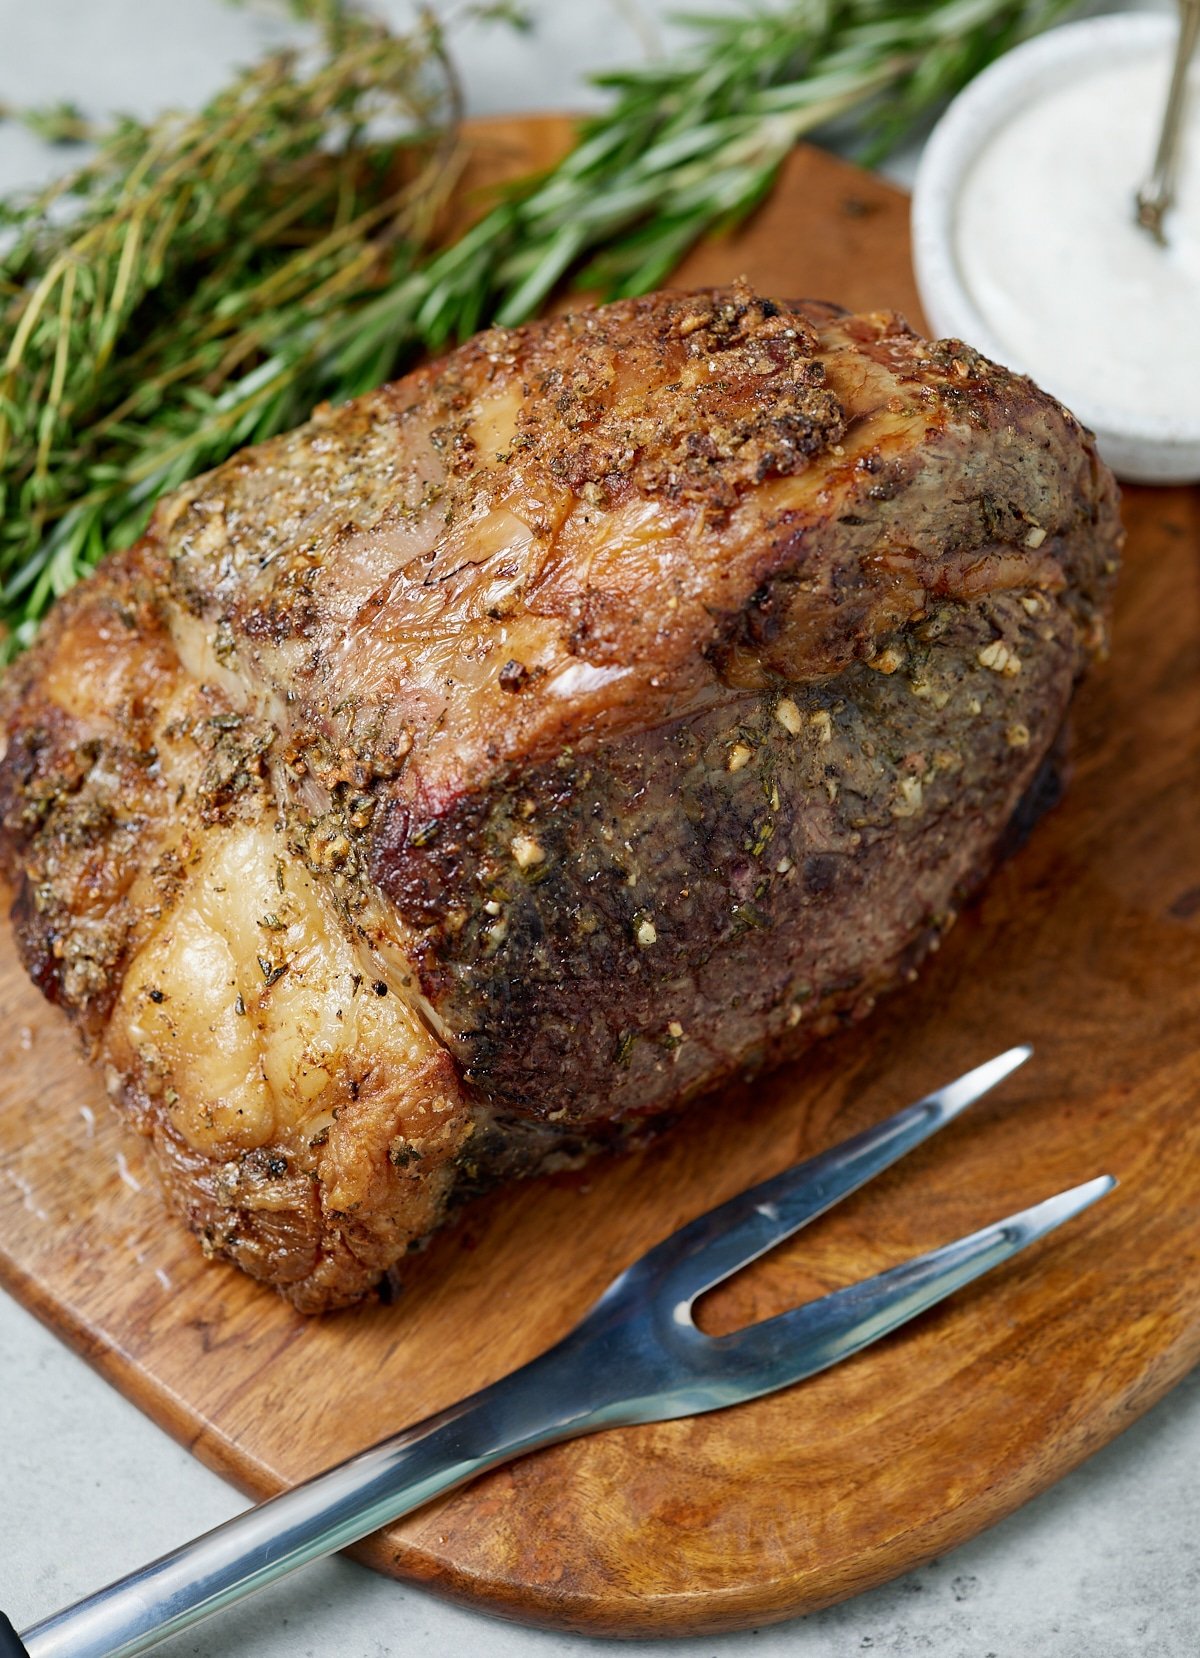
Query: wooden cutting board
(1087, 944)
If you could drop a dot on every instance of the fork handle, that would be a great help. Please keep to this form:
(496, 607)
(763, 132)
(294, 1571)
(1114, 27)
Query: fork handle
(524, 1410)
(11, 1645)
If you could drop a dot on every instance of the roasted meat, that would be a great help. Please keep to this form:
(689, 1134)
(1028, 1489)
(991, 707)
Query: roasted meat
(495, 763)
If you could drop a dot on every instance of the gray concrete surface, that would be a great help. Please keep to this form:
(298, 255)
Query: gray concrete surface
(1105, 1565)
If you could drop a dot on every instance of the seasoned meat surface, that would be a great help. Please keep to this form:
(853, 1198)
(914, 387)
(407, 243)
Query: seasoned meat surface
(481, 771)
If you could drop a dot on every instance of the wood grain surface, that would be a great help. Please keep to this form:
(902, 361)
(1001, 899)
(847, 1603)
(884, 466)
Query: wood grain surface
(1087, 944)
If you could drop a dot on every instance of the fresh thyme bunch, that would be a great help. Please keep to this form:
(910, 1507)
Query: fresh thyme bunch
(213, 277)
(167, 301)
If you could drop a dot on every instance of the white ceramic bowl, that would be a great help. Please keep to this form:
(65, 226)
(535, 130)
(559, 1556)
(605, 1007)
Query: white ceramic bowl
(1165, 450)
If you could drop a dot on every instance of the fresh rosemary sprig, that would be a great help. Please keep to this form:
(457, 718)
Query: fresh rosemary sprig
(213, 277)
(692, 146)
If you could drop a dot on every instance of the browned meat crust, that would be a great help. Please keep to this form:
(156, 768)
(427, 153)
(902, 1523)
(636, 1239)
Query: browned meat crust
(502, 759)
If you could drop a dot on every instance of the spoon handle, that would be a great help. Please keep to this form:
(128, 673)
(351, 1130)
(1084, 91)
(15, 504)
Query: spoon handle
(1158, 192)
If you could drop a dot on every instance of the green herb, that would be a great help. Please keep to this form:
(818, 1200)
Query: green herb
(693, 145)
(61, 123)
(271, 973)
(623, 1054)
(203, 281)
(172, 298)
(400, 1155)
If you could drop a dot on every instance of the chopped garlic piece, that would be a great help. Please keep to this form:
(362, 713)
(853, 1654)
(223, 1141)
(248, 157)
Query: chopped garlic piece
(526, 851)
(788, 716)
(887, 661)
(910, 797)
(1000, 659)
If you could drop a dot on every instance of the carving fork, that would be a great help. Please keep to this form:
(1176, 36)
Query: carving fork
(636, 1356)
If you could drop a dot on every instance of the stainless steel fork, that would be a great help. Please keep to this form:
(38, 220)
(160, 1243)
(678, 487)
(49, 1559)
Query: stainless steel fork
(636, 1356)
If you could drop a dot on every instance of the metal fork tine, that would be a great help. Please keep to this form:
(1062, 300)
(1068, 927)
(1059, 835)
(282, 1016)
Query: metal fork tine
(797, 1344)
(729, 1237)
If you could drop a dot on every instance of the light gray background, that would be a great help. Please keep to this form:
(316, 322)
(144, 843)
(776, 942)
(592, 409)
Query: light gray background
(1103, 1566)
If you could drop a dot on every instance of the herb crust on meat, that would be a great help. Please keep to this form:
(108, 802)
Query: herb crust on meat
(478, 773)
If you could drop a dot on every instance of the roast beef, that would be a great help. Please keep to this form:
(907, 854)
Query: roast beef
(475, 775)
